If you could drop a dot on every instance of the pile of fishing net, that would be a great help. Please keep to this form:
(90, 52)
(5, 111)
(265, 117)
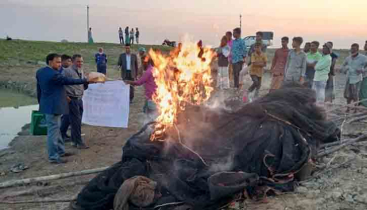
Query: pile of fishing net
(213, 156)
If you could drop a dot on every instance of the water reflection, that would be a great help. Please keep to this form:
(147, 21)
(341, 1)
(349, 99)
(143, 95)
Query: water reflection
(12, 119)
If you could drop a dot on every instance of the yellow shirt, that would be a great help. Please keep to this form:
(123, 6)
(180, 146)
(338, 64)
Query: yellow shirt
(255, 70)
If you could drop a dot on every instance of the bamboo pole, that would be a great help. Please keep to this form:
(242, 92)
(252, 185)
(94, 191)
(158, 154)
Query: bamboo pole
(357, 119)
(38, 190)
(13, 183)
(39, 201)
(339, 147)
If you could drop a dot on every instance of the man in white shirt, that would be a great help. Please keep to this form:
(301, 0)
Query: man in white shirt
(128, 62)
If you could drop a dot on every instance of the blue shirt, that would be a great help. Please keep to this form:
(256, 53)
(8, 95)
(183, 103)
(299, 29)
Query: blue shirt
(239, 50)
(101, 58)
(51, 93)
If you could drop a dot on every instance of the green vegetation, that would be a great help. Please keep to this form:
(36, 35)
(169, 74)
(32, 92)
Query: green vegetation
(20, 60)
(33, 52)
(10, 98)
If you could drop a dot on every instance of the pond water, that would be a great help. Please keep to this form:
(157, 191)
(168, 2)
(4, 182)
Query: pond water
(15, 112)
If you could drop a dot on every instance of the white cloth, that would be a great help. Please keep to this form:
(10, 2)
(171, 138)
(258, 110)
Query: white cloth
(223, 78)
(128, 62)
(243, 73)
(107, 104)
(226, 51)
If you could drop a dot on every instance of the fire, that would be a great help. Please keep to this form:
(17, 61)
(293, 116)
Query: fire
(182, 78)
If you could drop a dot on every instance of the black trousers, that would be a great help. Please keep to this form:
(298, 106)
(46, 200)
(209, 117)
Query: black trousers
(65, 123)
(237, 67)
(102, 68)
(121, 40)
(256, 84)
(75, 117)
(129, 77)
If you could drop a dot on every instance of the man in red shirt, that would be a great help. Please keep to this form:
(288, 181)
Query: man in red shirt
(278, 65)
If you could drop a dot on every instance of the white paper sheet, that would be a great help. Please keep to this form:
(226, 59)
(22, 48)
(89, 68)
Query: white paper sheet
(107, 104)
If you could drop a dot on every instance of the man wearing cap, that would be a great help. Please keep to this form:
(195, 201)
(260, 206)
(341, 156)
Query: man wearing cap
(322, 70)
(141, 57)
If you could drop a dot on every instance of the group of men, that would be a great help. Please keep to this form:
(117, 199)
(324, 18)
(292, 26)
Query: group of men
(129, 35)
(308, 67)
(61, 85)
(317, 70)
(60, 88)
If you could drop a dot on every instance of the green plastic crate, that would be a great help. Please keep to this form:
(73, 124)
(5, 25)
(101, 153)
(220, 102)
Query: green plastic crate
(38, 124)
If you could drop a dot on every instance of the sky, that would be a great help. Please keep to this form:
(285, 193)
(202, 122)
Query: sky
(340, 21)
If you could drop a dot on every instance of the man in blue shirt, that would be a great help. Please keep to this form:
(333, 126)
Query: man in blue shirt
(238, 55)
(51, 97)
(101, 61)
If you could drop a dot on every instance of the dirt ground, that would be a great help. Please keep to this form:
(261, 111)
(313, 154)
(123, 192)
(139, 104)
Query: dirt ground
(339, 187)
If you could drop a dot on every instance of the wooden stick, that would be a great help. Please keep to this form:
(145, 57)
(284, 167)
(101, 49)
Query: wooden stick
(337, 148)
(51, 177)
(357, 119)
(351, 116)
(42, 190)
(339, 142)
(39, 201)
(352, 105)
(332, 144)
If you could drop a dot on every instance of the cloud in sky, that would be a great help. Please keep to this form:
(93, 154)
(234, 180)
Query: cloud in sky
(206, 19)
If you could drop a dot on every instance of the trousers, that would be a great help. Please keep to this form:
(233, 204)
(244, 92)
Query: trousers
(256, 85)
(65, 123)
(319, 87)
(129, 77)
(102, 68)
(75, 117)
(55, 144)
(237, 67)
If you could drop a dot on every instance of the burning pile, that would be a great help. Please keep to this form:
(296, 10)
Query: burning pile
(262, 148)
(182, 78)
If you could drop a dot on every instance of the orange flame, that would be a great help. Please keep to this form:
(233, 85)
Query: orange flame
(182, 78)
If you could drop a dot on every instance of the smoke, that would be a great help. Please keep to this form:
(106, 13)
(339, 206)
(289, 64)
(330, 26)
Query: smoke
(225, 165)
(218, 100)
(143, 119)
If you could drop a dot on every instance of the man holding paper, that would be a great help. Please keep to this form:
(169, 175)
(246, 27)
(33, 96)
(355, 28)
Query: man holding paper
(52, 99)
(150, 108)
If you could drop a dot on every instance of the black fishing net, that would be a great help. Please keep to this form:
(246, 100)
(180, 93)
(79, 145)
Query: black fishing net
(212, 155)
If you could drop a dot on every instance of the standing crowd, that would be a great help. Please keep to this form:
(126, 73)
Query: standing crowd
(61, 84)
(130, 36)
(308, 67)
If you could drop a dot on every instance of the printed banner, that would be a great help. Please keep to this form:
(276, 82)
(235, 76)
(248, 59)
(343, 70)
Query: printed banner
(107, 104)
